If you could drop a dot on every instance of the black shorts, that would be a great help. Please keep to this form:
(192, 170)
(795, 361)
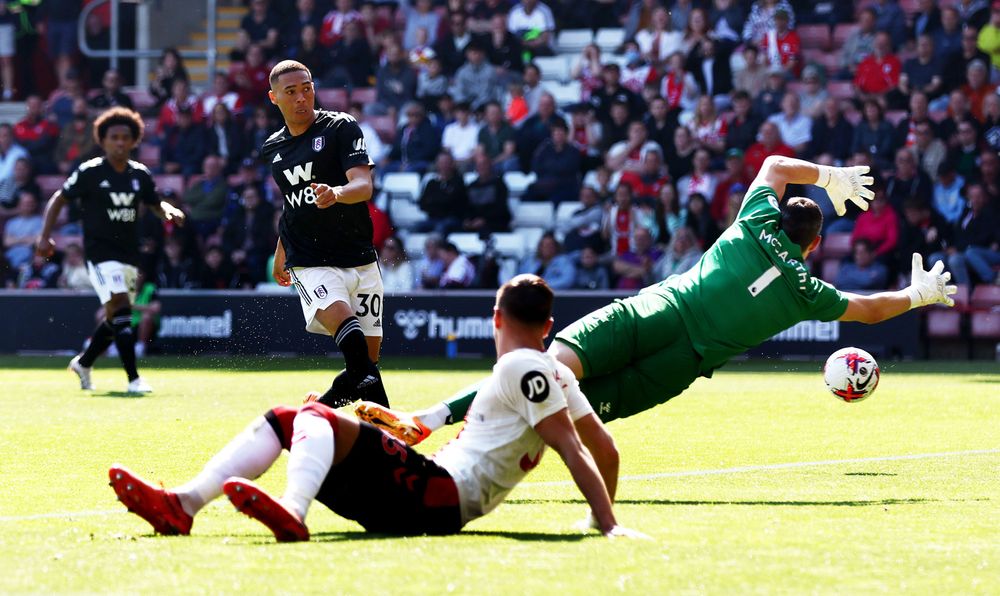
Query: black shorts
(389, 488)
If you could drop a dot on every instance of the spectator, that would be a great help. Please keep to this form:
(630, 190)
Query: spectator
(175, 270)
(907, 181)
(251, 78)
(863, 271)
(929, 150)
(180, 97)
(216, 271)
(752, 77)
(949, 193)
(557, 165)
(536, 130)
(430, 268)
(38, 273)
(707, 127)
(170, 69)
(636, 71)
(450, 48)
(75, 144)
(976, 240)
(111, 94)
(735, 174)
(651, 177)
(38, 135)
(459, 272)
(97, 35)
(966, 152)
(890, 18)
(873, 135)
(224, 138)
(590, 273)
(973, 13)
(381, 225)
(261, 26)
(248, 234)
(395, 82)
(74, 274)
(727, 18)
(958, 112)
(352, 56)
(770, 144)
(306, 15)
(20, 231)
(496, 139)
(991, 121)
(488, 212)
(206, 199)
(733, 204)
(769, 100)
(667, 214)
(417, 142)
(681, 255)
(621, 222)
(639, 16)
(258, 128)
(432, 85)
(420, 16)
(23, 181)
(813, 94)
(627, 155)
(879, 72)
(761, 19)
(742, 128)
(334, 22)
(927, 19)
(476, 81)
(879, 226)
(601, 99)
(221, 92)
(680, 156)
(923, 73)
(444, 198)
(633, 269)
(10, 154)
(794, 126)
(860, 43)
(678, 86)
(532, 22)
(698, 219)
(831, 133)
(60, 17)
(461, 136)
(583, 228)
(781, 45)
(585, 134)
(397, 272)
(184, 146)
(989, 36)
(906, 130)
(503, 48)
(957, 62)
(319, 59)
(977, 87)
(62, 101)
(922, 231)
(660, 123)
(658, 40)
(701, 180)
(550, 263)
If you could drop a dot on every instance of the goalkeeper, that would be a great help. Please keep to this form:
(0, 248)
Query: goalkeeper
(751, 284)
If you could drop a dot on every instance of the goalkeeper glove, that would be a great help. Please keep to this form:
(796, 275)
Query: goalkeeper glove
(928, 287)
(846, 184)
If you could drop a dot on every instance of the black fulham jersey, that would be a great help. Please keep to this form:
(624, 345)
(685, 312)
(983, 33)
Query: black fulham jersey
(340, 235)
(109, 202)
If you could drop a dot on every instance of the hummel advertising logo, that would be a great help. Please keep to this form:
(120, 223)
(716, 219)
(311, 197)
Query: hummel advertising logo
(299, 174)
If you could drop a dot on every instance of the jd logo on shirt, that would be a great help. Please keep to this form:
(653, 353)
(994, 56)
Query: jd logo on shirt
(535, 386)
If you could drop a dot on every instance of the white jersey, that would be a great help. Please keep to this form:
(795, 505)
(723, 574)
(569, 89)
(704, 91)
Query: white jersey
(499, 445)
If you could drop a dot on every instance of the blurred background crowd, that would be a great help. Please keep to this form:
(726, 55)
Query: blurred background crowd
(599, 143)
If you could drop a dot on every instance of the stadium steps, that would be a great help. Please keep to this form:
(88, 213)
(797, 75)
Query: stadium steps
(228, 29)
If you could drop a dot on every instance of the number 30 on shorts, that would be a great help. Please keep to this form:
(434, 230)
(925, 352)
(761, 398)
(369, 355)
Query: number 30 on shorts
(370, 304)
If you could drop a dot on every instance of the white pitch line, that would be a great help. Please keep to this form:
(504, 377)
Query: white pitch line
(637, 477)
(773, 467)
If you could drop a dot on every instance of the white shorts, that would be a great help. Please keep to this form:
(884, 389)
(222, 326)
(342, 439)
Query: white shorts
(360, 287)
(112, 277)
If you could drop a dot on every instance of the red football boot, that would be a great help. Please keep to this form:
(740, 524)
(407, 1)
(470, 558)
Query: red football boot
(161, 508)
(253, 501)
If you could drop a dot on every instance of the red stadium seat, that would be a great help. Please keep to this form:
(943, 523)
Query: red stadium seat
(49, 184)
(363, 95)
(384, 126)
(142, 100)
(836, 246)
(985, 297)
(985, 325)
(841, 89)
(841, 32)
(332, 99)
(149, 155)
(961, 298)
(894, 117)
(814, 36)
(174, 182)
(944, 323)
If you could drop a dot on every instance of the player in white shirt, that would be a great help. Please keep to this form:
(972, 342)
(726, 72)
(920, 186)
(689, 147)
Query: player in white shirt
(531, 401)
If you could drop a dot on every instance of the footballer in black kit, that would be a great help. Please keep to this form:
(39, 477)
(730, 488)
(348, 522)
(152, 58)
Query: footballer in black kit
(108, 191)
(321, 165)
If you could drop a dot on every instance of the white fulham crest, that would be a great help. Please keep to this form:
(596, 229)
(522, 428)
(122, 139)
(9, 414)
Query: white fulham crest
(318, 143)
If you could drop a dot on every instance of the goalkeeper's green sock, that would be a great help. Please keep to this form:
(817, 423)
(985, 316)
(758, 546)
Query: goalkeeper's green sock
(450, 410)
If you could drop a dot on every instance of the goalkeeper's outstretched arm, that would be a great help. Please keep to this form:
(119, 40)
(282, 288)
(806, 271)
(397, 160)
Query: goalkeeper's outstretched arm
(841, 184)
(926, 287)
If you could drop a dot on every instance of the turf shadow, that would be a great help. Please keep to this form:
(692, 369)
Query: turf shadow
(871, 503)
(523, 536)
(117, 394)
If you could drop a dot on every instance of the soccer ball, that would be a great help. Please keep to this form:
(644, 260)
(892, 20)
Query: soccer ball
(851, 374)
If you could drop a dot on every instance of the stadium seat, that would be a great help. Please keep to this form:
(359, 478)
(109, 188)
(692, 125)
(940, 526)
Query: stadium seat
(894, 117)
(149, 155)
(530, 238)
(840, 89)
(142, 100)
(364, 95)
(402, 183)
(831, 268)
(468, 243)
(49, 184)
(609, 40)
(836, 246)
(814, 36)
(413, 243)
(534, 214)
(944, 324)
(565, 94)
(518, 182)
(985, 325)
(553, 68)
(509, 244)
(573, 40)
(174, 182)
(985, 297)
(841, 32)
(384, 126)
(332, 99)
(405, 213)
(961, 297)
(565, 209)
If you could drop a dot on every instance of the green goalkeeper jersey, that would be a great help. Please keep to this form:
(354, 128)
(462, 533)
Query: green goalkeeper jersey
(750, 285)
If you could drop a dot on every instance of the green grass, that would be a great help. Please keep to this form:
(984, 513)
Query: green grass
(927, 525)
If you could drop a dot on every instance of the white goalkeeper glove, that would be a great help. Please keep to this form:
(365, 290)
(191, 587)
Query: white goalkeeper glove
(846, 184)
(928, 287)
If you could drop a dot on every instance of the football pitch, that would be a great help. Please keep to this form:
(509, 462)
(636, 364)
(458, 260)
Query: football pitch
(756, 481)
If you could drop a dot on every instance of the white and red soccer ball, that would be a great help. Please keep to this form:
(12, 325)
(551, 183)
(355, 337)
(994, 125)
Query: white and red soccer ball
(851, 374)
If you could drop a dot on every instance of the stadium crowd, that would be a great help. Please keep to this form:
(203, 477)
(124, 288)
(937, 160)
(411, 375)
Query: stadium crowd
(642, 146)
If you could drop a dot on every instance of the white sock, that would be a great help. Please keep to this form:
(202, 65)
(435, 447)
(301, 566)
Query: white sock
(435, 416)
(309, 461)
(248, 455)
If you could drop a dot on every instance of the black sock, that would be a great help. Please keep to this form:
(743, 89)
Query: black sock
(121, 322)
(360, 379)
(99, 342)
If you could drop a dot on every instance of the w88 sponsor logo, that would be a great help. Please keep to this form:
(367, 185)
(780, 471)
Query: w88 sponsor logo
(307, 195)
